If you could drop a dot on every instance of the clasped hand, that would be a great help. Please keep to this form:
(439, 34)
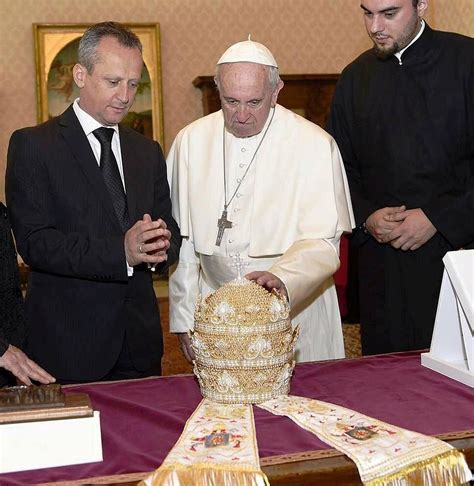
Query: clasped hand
(147, 241)
(405, 229)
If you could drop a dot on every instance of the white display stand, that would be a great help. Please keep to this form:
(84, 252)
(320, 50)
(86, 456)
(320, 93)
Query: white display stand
(452, 345)
(50, 443)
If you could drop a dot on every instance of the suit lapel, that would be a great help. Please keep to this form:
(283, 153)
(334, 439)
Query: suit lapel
(76, 139)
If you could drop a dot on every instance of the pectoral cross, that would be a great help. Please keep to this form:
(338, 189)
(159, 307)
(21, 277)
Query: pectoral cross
(222, 223)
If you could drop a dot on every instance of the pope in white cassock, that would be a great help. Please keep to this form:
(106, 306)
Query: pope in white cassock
(259, 180)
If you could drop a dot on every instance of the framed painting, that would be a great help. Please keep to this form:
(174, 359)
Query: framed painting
(56, 54)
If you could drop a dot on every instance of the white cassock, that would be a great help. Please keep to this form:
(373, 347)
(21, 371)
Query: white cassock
(287, 217)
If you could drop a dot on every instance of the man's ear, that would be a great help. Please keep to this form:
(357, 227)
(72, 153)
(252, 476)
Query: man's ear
(79, 74)
(275, 93)
(421, 8)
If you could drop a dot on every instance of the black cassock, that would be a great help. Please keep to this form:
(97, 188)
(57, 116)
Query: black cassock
(406, 134)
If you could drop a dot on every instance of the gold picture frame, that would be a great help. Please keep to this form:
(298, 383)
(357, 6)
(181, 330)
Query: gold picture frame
(55, 48)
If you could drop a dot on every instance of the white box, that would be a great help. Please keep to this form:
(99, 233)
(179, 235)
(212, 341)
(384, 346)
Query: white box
(50, 443)
(452, 345)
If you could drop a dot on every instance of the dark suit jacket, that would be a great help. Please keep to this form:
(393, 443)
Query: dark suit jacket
(12, 318)
(80, 302)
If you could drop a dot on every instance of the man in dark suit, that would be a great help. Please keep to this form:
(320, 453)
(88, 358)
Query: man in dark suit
(91, 213)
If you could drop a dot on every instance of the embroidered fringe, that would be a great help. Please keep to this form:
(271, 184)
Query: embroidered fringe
(204, 474)
(448, 469)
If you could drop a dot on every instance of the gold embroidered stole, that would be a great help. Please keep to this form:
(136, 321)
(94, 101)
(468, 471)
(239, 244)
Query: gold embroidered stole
(218, 446)
(385, 455)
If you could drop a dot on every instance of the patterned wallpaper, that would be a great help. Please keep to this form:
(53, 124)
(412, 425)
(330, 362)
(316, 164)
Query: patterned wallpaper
(306, 36)
(455, 16)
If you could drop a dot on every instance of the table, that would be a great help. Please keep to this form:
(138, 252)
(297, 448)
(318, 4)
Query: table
(142, 419)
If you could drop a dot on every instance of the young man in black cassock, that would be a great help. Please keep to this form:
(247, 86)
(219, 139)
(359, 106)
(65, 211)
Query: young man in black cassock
(403, 116)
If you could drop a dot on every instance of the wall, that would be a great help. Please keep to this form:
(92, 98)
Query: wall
(455, 16)
(306, 36)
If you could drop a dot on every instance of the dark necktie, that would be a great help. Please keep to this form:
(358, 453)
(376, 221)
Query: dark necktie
(111, 174)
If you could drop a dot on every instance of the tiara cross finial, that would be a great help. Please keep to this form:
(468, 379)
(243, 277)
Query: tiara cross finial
(239, 264)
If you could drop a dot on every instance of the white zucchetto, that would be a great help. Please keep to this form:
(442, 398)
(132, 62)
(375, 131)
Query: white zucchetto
(248, 51)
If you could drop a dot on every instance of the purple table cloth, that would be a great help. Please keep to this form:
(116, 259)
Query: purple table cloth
(142, 419)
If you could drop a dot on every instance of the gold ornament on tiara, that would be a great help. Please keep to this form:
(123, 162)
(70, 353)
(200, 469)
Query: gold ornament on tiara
(244, 343)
